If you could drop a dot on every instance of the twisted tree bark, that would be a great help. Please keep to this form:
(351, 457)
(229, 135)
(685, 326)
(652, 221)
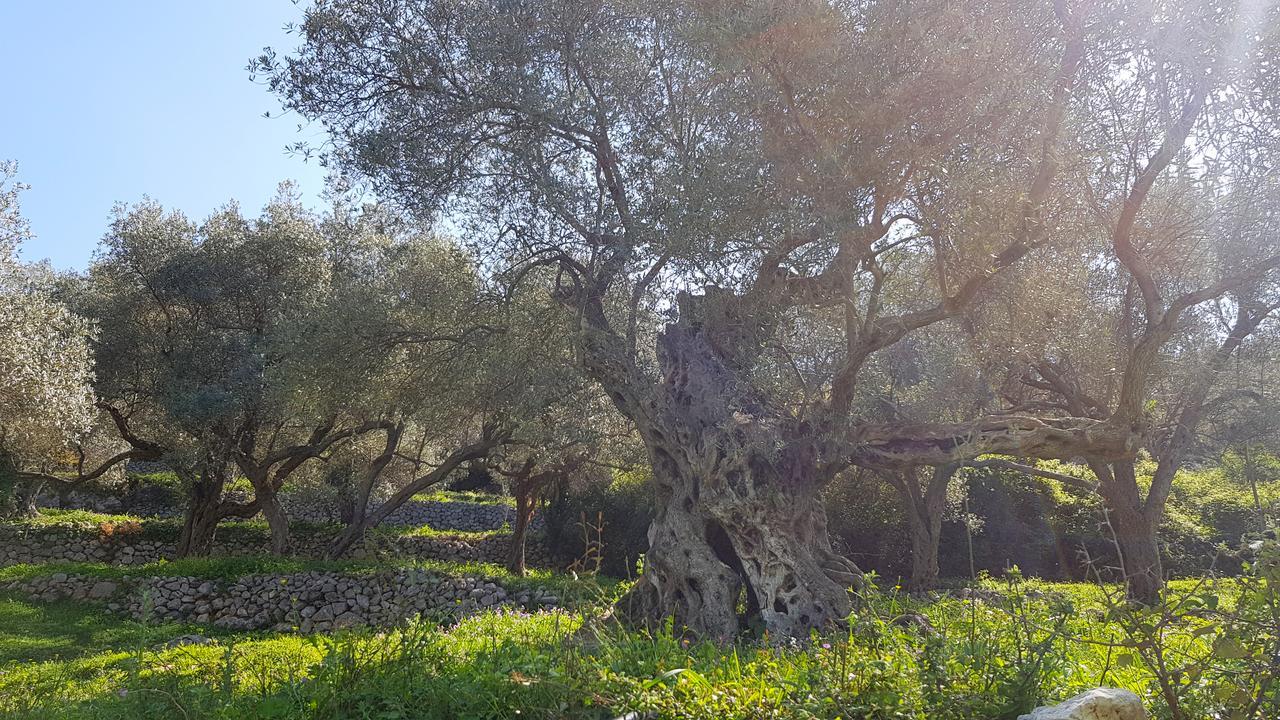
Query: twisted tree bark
(736, 544)
(739, 538)
(204, 507)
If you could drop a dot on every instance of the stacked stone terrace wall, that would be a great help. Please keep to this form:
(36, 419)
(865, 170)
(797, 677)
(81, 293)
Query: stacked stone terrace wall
(448, 515)
(440, 515)
(23, 545)
(303, 602)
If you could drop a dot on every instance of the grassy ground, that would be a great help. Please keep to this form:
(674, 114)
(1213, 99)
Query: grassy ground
(465, 496)
(1017, 645)
(168, 528)
(990, 659)
(31, 632)
(251, 531)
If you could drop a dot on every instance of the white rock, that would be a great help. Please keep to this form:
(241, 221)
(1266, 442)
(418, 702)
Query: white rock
(1096, 704)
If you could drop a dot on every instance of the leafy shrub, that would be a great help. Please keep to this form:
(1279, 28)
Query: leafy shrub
(1211, 647)
(866, 521)
(626, 506)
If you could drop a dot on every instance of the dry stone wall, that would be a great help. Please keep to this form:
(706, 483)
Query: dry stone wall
(305, 602)
(454, 515)
(449, 515)
(22, 545)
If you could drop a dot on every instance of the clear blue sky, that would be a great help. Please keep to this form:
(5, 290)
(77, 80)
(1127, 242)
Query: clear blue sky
(105, 101)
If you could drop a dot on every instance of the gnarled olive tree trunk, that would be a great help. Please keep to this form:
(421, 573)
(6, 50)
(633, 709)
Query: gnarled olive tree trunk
(733, 547)
(204, 508)
(739, 538)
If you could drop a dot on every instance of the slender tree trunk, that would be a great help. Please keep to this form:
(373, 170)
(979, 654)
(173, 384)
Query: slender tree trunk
(526, 486)
(924, 551)
(364, 519)
(519, 534)
(346, 539)
(356, 526)
(1134, 530)
(1066, 566)
(1252, 478)
(924, 506)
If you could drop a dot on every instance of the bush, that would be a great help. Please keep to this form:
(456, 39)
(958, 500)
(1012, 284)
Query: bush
(867, 523)
(625, 504)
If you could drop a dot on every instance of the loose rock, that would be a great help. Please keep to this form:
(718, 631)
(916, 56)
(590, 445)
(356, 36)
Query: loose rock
(1096, 704)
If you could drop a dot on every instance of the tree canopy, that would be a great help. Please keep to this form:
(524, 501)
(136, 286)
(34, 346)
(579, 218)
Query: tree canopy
(45, 396)
(719, 187)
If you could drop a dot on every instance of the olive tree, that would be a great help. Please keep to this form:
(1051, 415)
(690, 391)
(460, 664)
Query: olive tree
(413, 319)
(732, 167)
(46, 402)
(1181, 245)
(479, 375)
(200, 352)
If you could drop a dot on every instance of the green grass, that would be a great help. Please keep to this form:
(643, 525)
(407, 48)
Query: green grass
(489, 666)
(152, 527)
(168, 529)
(51, 518)
(162, 478)
(67, 630)
(988, 660)
(428, 531)
(464, 496)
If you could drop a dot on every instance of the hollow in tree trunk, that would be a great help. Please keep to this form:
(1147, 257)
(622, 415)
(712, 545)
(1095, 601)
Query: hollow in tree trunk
(734, 549)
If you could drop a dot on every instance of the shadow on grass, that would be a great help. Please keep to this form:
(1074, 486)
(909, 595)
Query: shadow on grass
(32, 632)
